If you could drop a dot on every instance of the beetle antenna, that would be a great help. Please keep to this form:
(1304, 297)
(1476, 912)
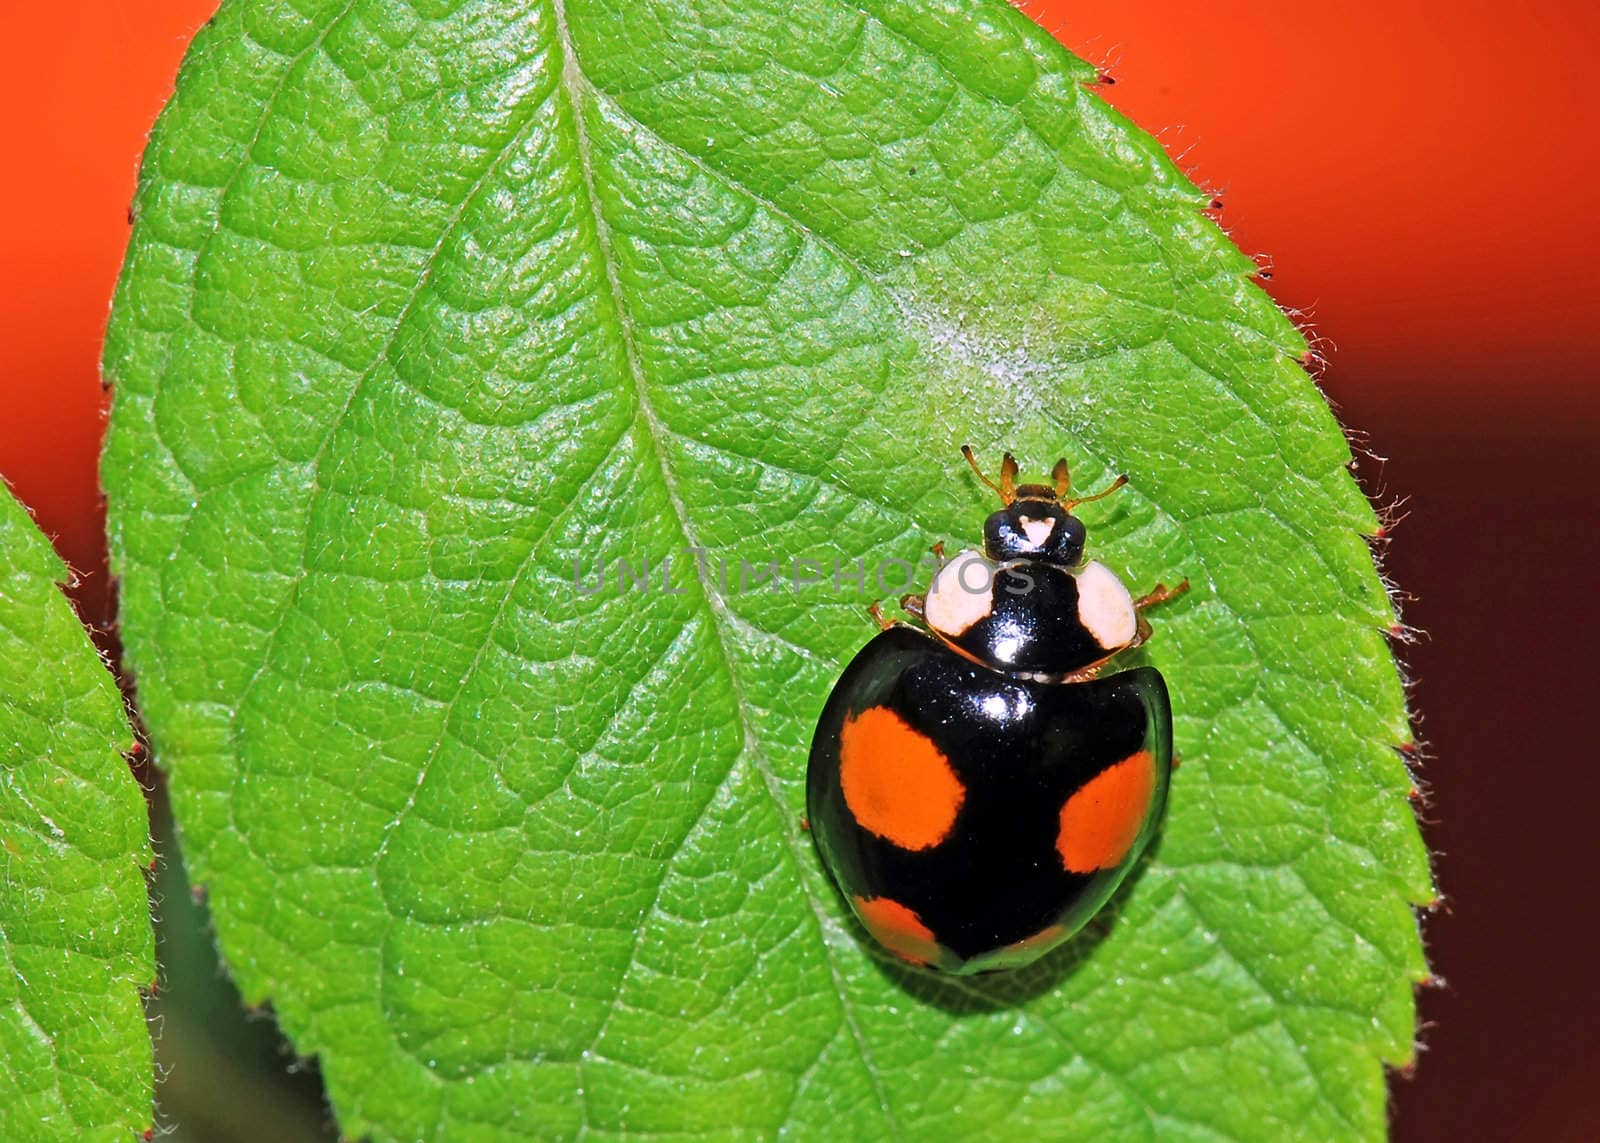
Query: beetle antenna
(1007, 488)
(1069, 505)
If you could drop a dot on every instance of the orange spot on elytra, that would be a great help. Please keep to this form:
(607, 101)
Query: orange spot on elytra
(1100, 822)
(898, 929)
(895, 781)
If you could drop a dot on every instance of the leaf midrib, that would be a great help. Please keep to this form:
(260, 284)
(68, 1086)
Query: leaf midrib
(576, 87)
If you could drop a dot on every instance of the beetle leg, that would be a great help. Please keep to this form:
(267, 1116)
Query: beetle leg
(1081, 675)
(878, 617)
(913, 605)
(1161, 593)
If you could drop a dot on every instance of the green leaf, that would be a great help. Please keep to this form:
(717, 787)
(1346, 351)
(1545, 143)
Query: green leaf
(425, 303)
(75, 939)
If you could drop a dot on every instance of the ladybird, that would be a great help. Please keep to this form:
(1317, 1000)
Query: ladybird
(981, 779)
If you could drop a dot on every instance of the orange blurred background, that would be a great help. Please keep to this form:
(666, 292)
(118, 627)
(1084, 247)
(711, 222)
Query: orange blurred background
(1419, 174)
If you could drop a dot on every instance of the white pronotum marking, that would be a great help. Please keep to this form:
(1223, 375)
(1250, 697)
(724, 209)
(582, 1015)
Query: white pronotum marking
(1105, 608)
(961, 594)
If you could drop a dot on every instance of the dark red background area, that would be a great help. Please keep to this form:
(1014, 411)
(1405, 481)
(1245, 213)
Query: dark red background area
(1420, 174)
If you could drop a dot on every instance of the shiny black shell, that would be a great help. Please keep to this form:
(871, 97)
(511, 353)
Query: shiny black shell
(993, 892)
